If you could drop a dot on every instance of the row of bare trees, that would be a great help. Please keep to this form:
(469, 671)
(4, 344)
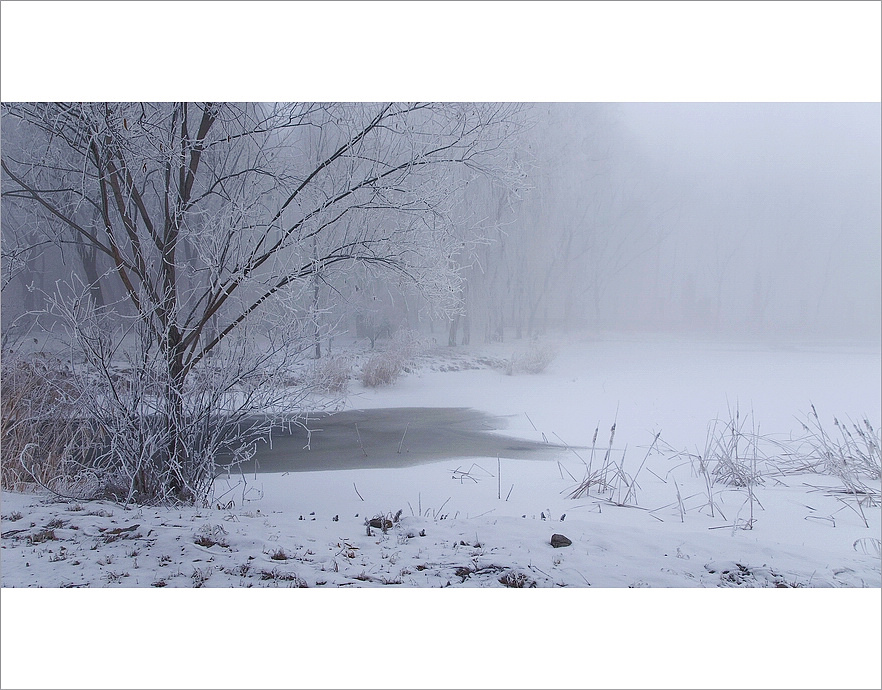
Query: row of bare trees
(567, 236)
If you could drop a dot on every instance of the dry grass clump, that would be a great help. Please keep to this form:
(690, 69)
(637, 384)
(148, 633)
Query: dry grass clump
(737, 455)
(601, 477)
(44, 438)
(534, 361)
(733, 452)
(211, 535)
(277, 575)
(517, 580)
(380, 370)
(383, 368)
(332, 374)
(853, 452)
(609, 476)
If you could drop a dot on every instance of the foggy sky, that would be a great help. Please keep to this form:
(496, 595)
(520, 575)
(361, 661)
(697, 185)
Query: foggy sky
(734, 219)
(776, 202)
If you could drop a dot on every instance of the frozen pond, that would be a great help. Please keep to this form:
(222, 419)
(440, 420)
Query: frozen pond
(392, 437)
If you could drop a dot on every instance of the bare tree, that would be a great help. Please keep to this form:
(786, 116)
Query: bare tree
(586, 218)
(219, 220)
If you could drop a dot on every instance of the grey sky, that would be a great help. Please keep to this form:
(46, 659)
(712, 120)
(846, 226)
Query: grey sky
(784, 194)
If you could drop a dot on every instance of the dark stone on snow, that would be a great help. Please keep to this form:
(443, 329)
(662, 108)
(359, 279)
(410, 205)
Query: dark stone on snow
(559, 540)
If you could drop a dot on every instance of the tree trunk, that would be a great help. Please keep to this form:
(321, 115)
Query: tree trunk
(466, 321)
(451, 336)
(516, 314)
(176, 468)
(89, 259)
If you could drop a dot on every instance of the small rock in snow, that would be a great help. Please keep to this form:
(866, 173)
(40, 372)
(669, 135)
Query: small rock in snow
(559, 540)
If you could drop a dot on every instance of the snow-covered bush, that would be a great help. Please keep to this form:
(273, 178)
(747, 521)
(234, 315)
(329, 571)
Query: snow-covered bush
(332, 374)
(534, 361)
(383, 368)
(380, 370)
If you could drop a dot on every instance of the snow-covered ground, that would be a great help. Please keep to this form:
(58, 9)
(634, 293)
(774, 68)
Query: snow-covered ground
(482, 523)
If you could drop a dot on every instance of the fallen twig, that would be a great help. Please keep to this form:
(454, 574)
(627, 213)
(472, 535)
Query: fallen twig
(359, 440)
(402, 438)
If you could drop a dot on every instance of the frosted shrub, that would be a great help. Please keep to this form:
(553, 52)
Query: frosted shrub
(332, 374)
(381, 370)
(534, 361)
(384, 368)
(407, 344)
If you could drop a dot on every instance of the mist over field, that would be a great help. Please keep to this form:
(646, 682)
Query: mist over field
(778, 215)
(603, 313)
(743, 220)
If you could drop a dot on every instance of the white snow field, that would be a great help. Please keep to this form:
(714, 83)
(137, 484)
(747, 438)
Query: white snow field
(483, 523)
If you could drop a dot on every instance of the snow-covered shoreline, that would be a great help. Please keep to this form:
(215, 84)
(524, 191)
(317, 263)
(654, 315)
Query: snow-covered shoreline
(479, 524)
(643, 386)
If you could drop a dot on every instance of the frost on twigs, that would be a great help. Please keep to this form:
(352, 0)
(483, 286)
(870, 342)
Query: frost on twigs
(332, 374)
(205, 239)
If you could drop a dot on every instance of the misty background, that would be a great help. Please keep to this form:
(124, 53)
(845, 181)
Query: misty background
(547, 52)
(740, 220)
(778, 216)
